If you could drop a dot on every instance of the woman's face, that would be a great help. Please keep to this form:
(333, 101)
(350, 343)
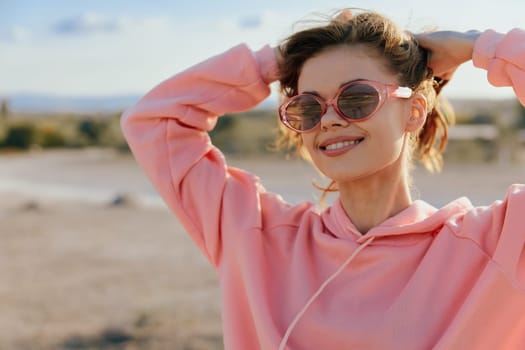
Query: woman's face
(345, 151)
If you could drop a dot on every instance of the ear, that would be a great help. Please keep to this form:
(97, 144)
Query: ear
(418, 113)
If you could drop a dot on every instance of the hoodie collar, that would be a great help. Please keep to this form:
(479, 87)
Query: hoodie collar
(419, 217)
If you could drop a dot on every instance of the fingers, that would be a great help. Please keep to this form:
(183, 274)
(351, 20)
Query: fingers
(448, 50)
(432, 40)
(278, 54)
(344, 15)
(448, 39)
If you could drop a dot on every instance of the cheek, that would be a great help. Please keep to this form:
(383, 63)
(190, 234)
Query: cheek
(388, 136)
(391, 125)
(307, 147)
(308, 141)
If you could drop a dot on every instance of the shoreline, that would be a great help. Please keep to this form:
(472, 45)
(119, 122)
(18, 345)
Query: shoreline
(105, 175)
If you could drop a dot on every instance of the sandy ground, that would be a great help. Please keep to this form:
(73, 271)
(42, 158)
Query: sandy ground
(72, 272)
(91, 259)
(79, 272)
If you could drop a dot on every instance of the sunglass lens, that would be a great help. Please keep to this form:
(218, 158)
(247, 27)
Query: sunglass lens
(358, 101)
(303, 113)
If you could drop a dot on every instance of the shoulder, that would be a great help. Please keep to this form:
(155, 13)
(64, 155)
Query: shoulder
(498, 229)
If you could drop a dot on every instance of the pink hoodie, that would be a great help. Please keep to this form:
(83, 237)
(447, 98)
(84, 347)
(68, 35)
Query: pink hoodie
(293, 278)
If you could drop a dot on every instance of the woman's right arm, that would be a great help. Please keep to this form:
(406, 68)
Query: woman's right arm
(167, 133)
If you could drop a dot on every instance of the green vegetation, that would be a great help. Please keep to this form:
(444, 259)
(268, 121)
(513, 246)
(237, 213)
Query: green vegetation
(25, 131)
(520, 119)
(488, 131)
(4, 109)
(249, 133)
(19, 136)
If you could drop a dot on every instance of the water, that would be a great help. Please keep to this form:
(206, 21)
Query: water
(100, 176)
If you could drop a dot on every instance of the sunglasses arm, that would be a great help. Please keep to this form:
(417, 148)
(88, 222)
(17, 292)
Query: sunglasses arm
(401, 92)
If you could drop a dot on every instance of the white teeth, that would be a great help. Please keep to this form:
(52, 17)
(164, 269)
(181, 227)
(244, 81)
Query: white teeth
(338, 145)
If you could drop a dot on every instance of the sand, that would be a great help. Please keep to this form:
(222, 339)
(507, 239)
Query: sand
(83, 272)
(90, 258)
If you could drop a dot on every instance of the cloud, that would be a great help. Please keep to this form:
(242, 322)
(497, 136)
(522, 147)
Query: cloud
(94, 23)
(16, 33)
(131, 56)
(88, 23)
(252, 22)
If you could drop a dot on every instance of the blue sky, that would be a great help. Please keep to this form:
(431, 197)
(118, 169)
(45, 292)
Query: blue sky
(101, 48)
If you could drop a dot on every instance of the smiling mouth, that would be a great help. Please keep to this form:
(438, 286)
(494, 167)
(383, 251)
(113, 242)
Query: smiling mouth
(340, 145)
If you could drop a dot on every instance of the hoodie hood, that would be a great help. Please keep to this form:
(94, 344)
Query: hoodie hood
(419, 217)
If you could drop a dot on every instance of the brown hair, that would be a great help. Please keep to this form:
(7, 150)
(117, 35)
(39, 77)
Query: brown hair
(402, 55)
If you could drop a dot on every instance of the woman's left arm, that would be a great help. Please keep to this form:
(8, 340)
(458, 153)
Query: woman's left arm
(502, 55)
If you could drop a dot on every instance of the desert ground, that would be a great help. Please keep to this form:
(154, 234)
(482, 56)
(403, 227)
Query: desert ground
(90, 258)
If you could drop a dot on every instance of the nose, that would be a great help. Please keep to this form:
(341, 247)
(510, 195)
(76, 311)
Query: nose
(332, 120)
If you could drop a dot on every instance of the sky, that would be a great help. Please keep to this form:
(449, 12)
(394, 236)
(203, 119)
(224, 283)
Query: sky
(115, 47)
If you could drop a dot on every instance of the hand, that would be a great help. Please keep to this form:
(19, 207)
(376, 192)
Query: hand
(448, 50)
(278, 54)
(344, 16)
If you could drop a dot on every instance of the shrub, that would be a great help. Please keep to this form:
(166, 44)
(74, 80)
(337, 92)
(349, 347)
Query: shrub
(91, 130)
(50, 137)
(223, 135)
(520, 119)
(20, 136)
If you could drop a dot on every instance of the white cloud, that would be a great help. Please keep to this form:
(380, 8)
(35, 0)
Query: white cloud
(92, 23)
(250, 22)
(16, 33)
(20, 33)
(263, 21)
(86, 23)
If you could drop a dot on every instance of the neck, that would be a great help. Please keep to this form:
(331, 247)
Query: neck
(373, 199)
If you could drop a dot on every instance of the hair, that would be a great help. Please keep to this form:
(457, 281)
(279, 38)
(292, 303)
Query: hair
(402, 56)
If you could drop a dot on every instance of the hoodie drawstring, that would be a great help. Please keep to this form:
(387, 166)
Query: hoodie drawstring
(319, 291)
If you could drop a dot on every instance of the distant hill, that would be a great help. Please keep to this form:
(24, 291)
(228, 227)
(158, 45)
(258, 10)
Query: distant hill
(474, 106)
(35, 103)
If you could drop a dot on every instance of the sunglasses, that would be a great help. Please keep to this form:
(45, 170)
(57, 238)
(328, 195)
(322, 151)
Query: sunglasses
(356, 101)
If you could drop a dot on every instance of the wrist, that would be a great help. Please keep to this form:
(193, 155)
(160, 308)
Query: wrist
(485, 48)
(267, 62)
(473, 35)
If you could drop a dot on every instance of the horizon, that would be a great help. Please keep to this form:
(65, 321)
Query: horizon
(59, 104)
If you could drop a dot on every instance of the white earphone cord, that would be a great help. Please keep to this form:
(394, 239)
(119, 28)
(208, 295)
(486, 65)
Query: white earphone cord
(319, 291)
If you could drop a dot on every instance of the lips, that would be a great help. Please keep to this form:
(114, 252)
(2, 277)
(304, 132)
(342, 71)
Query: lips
(336, 146)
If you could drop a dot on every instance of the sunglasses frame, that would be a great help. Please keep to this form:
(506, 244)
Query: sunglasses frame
(384, 91)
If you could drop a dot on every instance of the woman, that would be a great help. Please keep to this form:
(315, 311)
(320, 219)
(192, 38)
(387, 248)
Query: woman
(376, 270)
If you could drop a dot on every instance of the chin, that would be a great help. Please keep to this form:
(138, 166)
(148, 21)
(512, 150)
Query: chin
(346, 173)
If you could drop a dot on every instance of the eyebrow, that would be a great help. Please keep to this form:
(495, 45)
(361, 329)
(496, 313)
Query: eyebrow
(341, 85)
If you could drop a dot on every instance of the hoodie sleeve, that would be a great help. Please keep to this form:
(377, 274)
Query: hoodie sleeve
(503, 56)
(167, 133)
(510, 248)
